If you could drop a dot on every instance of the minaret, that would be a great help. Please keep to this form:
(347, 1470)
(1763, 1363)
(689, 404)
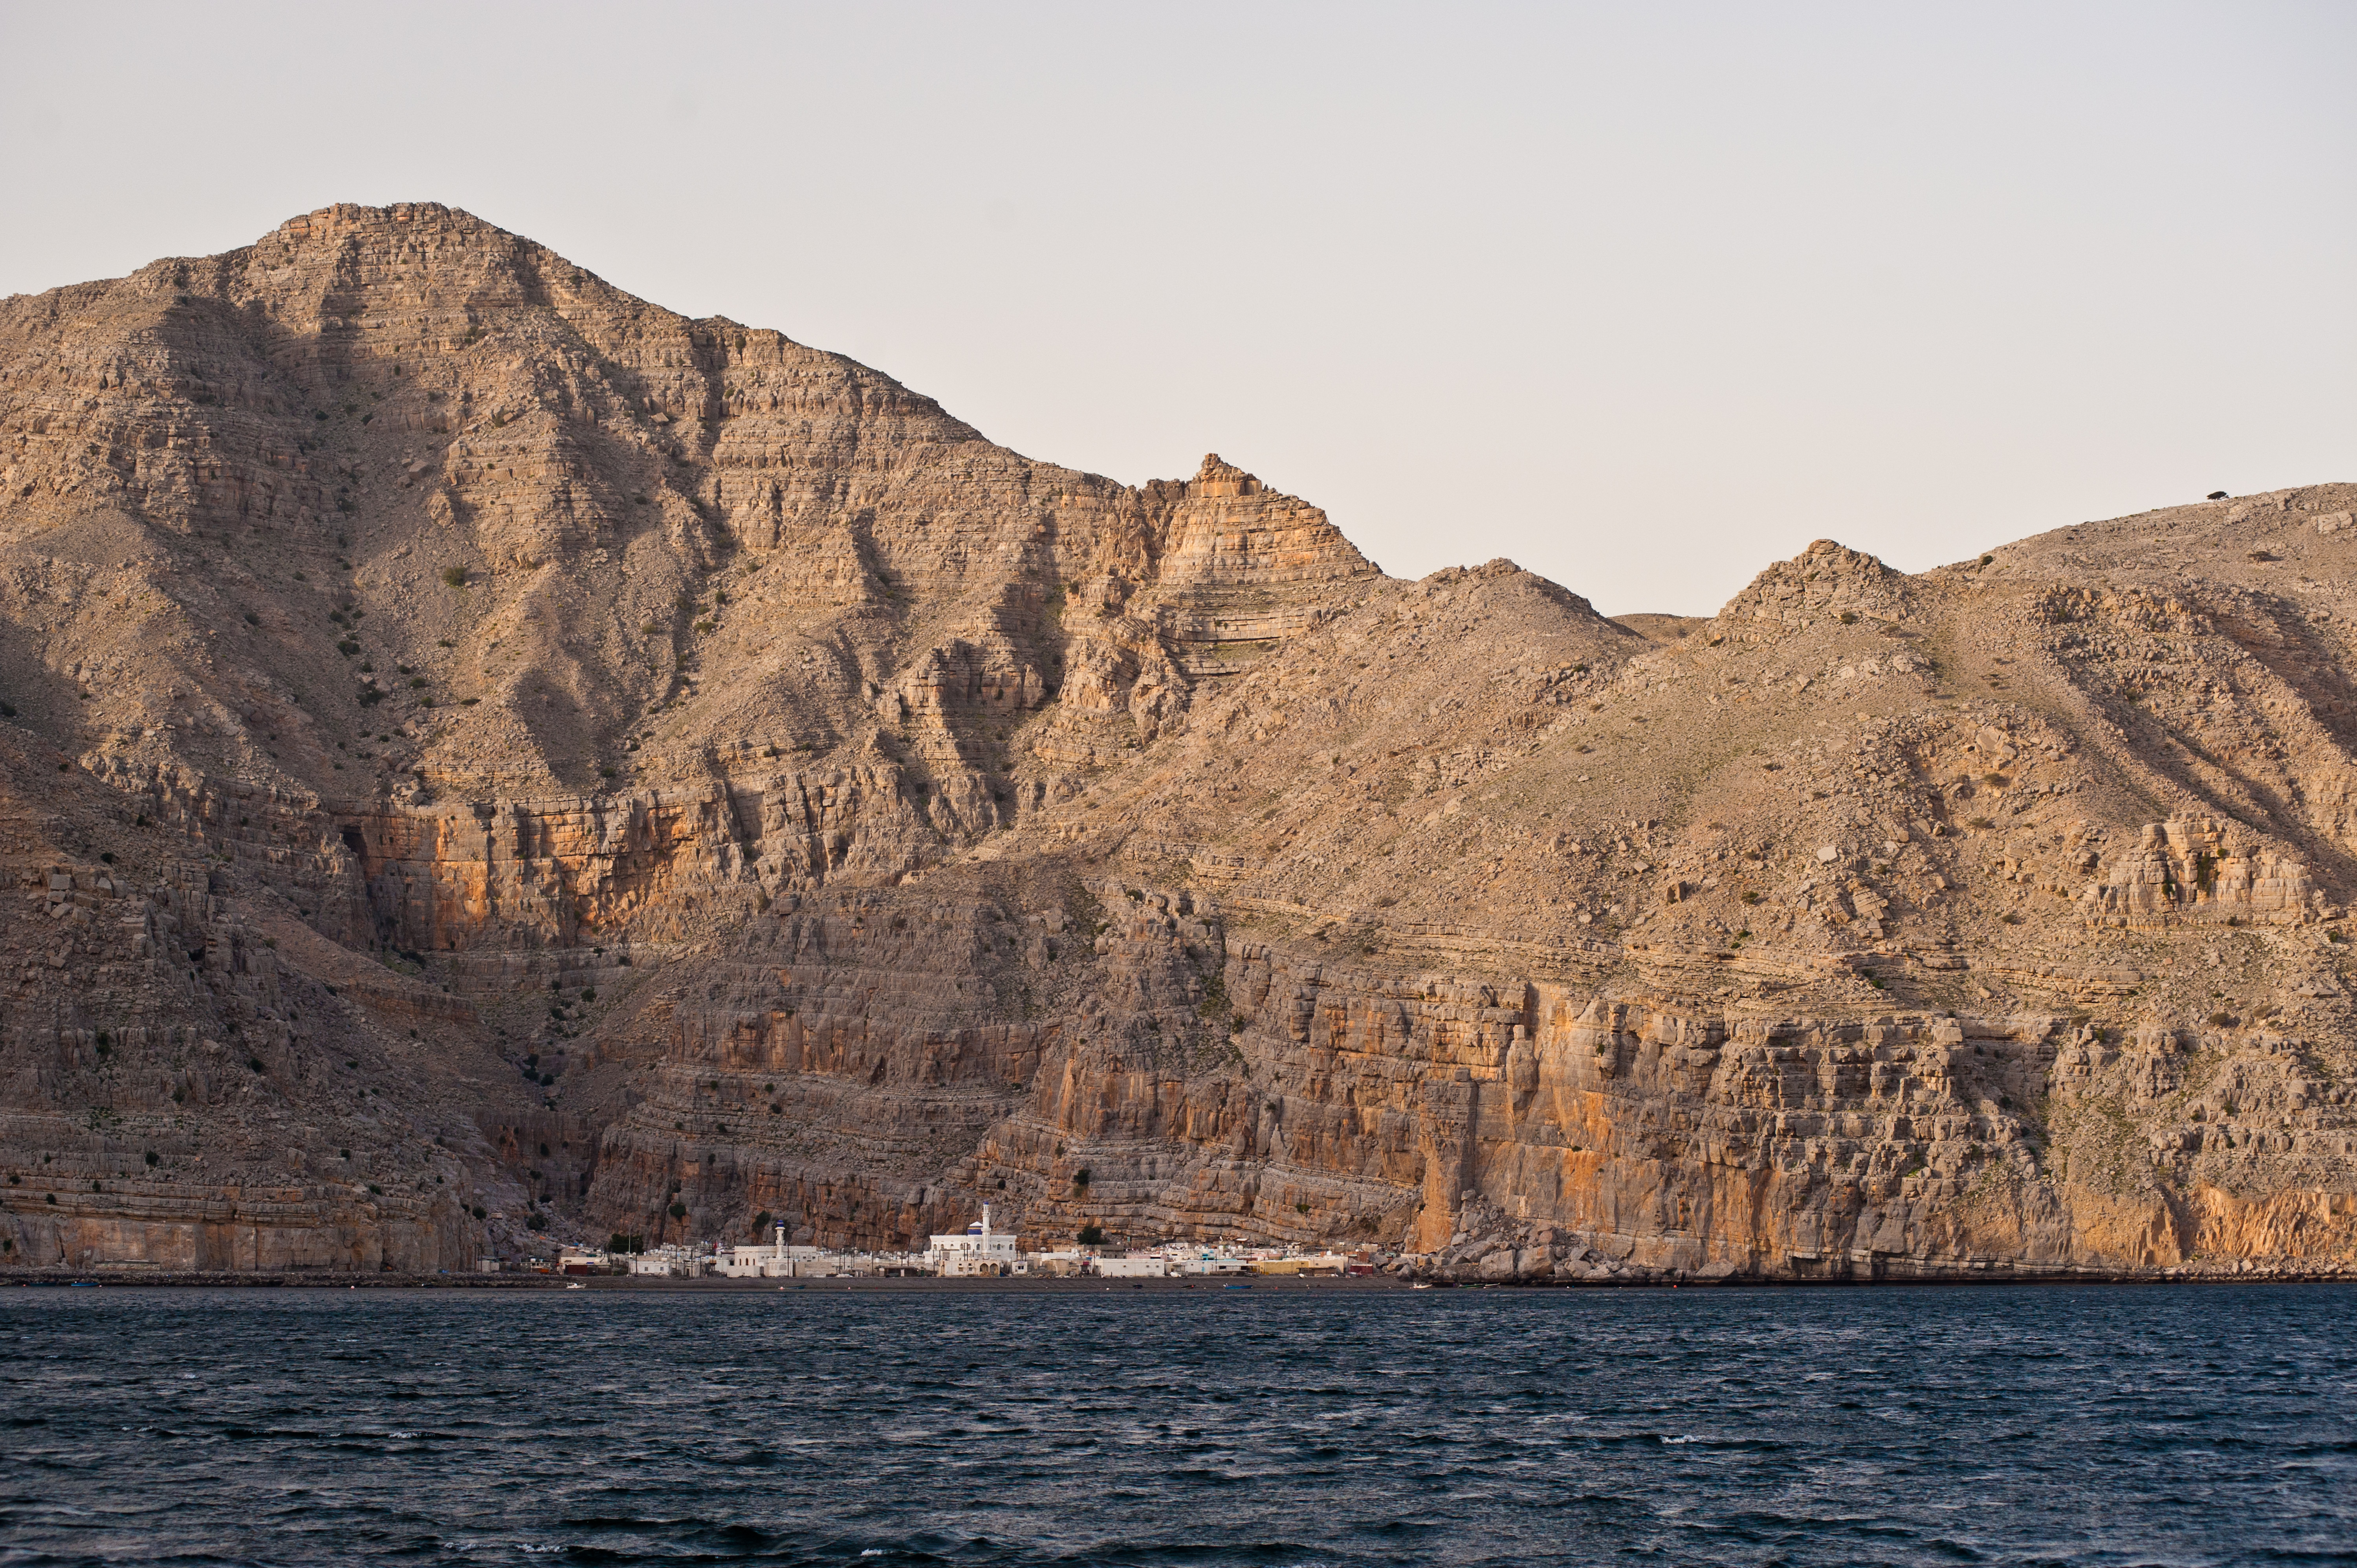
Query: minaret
(985, 1231)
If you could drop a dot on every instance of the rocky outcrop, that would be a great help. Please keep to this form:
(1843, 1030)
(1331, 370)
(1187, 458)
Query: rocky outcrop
(490, 761)
(2196, 870)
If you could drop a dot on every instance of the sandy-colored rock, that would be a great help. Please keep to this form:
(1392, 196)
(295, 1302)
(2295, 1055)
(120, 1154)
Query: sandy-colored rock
(490, 761)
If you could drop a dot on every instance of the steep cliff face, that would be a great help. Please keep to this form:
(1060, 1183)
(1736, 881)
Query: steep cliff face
(488, 760)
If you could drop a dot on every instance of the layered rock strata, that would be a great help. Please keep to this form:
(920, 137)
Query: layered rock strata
(489, 761)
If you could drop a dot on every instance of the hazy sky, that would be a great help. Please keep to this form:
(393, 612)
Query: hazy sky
(1643, 296)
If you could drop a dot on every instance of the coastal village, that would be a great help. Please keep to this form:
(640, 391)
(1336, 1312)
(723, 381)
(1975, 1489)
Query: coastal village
(979, 1251)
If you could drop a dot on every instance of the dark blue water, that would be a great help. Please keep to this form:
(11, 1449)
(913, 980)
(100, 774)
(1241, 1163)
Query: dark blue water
(1911, 1426)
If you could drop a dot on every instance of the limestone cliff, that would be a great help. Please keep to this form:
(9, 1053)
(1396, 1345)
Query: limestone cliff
(488, 760)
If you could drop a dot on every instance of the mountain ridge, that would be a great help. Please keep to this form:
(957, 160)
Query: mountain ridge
(572, 762)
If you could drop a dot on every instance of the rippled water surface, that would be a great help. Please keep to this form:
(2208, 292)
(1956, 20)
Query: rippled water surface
(1271, 1427)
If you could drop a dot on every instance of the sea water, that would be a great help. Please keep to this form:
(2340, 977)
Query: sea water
(2125, 1425)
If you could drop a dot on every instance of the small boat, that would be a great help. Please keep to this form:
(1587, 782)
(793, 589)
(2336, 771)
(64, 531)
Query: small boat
(1235, 1287)
(577, 1287)
(1421, 1284)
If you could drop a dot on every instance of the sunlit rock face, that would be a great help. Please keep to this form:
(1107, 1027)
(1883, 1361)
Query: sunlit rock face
(492, 762)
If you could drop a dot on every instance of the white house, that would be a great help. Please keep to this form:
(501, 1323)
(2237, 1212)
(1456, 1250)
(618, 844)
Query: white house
(667, 1263)
(1213, 1264)
(1136, 1268)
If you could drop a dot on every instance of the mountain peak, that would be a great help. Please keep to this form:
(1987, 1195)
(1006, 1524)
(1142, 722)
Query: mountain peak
(1215, 479)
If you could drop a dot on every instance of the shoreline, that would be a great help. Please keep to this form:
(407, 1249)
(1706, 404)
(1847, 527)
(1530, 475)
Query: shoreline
(323, 1280)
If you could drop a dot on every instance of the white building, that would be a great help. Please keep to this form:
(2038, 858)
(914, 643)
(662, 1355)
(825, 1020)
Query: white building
(1213, 1264)
(764, 1263)
(667, 1263)
(1136, 1268)
(979, 1250)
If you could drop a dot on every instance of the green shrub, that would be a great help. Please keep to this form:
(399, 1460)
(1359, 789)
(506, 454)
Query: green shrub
(454, 575)
(1092, 1235)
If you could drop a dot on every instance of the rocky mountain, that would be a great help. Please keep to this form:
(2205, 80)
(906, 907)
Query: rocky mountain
(487, 759)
